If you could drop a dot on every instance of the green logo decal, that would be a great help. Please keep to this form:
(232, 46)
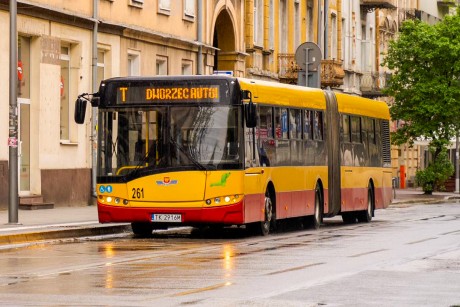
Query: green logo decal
(222, 182)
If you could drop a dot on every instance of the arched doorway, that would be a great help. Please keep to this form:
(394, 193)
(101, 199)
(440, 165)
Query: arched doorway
(225, 56)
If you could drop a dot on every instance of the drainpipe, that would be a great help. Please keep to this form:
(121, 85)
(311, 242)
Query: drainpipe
(326, 28)
(94, 89)
(199, 66)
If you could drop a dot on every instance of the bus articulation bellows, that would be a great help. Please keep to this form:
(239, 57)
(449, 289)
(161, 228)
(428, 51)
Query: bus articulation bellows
(218, 150)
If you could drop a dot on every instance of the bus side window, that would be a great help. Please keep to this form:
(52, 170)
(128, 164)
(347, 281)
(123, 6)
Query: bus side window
(318, 125)
(307, 132)
(346, 128)
(356, 136)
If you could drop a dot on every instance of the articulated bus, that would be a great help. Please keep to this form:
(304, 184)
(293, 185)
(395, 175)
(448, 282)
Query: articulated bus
(219, 151)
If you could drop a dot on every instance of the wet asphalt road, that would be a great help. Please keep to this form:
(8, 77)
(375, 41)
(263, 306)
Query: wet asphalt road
(409, 255)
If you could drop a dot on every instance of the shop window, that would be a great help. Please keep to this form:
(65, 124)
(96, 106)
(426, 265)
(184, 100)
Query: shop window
(23, 67)
(64, 92)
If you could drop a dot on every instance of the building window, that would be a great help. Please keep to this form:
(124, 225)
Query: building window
(258, 22)
(23, 67)
(187, 67)
(189, 10)
(310, 27)
(133, 64)
(136, 3)
(334, 37)
(100, 66)
(64, 92)
(271, 37)
(297, 24)
(164, 7)
(162, 66)
(283, 26)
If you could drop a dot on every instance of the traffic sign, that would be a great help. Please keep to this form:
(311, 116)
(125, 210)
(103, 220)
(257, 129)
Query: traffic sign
(308, 53)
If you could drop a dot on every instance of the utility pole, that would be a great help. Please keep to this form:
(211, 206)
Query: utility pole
(13, 195)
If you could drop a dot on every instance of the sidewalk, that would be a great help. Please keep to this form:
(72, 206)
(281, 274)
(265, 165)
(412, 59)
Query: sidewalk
(82, 221)
(52, 224)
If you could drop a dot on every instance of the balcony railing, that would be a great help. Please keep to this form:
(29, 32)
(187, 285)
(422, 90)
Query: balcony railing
(447, 3)
(372, 83)
(378, 4)
(332, 73)
(287, 67)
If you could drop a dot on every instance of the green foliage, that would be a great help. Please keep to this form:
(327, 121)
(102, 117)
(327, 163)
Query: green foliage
(435, 175)
(426, 81)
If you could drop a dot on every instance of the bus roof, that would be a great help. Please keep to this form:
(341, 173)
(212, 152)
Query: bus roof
(306, 97)
(284, 94)
(362, 106)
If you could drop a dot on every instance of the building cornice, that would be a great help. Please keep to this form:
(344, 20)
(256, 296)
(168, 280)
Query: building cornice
(47, 12)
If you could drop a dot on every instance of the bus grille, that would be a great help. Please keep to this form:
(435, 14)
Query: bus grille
(386, 149)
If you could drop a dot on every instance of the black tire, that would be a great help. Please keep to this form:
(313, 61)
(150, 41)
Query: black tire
(142, 229)
(349, 217)
(263, 228)
(366, 215)
(317, 218)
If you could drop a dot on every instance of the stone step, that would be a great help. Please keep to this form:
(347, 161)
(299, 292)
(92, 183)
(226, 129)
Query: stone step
(36, 206)
(32, 199)
(33, 202)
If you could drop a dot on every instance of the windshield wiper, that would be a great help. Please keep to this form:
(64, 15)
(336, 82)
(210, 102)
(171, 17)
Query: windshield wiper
(187, 154)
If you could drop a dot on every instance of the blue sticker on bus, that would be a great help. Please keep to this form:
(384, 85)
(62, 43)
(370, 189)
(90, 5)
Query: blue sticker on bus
(103, 189)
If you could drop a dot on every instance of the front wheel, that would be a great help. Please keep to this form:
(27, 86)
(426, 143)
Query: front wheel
(263, 228)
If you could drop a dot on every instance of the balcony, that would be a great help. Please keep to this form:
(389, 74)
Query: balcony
(287, 68)
(447, 3)
(372, 83)
(371, 5)
(332, 73)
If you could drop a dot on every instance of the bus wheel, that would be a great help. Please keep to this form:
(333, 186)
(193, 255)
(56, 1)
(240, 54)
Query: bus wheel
(263, 228)
(366, 215)
(349, 217)
(318, 215)
(268, 215)
(142, 229)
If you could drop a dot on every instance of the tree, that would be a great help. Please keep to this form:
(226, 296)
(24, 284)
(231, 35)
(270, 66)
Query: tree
(425, 83)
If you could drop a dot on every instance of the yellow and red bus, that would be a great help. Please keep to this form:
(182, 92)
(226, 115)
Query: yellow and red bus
(221, 151)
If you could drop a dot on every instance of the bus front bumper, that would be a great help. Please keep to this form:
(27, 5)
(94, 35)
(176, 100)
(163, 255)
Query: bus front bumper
(228, 215)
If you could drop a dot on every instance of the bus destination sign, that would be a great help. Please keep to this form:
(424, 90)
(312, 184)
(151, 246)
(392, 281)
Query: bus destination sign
(142, 94)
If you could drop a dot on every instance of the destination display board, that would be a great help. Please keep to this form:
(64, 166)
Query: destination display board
(170, 93)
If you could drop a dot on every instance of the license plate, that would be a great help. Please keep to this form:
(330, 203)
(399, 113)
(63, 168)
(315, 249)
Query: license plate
(167, 218)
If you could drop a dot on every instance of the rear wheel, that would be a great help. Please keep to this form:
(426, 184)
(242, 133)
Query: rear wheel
(143, 229)
(318, 216)
(366, 215)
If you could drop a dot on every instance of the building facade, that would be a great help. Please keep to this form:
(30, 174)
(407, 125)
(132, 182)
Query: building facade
(59, 55)
(67, 47)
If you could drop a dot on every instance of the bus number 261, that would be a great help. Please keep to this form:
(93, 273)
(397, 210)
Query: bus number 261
(138, 193)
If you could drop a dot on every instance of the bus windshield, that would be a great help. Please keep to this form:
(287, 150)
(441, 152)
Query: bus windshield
(140, 141)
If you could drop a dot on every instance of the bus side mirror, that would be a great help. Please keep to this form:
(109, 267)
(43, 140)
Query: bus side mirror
(250, 110)
(80, 110)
